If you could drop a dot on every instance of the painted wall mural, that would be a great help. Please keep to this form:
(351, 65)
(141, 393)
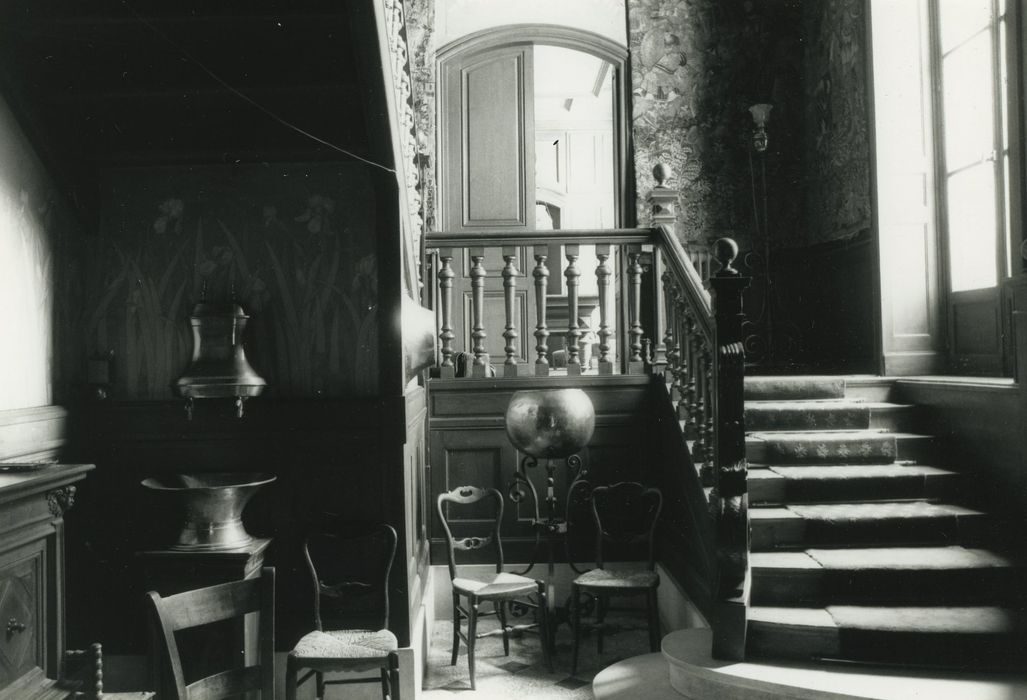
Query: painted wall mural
(293, 244)
(420, 24)
(38, 276)
(837, 143)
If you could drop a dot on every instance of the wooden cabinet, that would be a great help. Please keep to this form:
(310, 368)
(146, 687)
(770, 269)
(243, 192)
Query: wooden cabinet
(32, 507)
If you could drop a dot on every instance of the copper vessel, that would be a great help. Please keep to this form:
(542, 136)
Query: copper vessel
(554, 423)
(210, 506)
(219, 368)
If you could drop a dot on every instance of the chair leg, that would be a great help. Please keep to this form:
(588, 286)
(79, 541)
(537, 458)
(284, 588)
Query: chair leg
(544, 632)
(600, 621)
(575, 626)
(393, 672)
(472, 635)
(654, 621)
(386, 682)
(500, 606)
(456, 628)
(394, 676)
(319, 678)
(290, 677)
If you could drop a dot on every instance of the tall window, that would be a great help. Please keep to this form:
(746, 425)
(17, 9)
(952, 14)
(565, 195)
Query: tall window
(970, 67)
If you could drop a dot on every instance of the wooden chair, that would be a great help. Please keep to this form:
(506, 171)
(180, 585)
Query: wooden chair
(350, 575)
(625, 514)
(500, 589)
(213, 604)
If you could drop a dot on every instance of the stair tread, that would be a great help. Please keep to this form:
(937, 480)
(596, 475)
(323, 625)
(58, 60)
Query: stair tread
(892, 558)
(862, 511)
(822, 404)
(832, 435)
(977, 619)
(847, 471)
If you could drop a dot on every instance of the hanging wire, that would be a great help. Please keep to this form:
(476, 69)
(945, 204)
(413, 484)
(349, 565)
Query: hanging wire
(231, 88)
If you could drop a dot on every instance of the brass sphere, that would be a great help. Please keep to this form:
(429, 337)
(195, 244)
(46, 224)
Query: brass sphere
(550, 424)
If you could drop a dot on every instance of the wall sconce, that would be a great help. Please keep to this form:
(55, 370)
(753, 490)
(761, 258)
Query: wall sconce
(760, 115)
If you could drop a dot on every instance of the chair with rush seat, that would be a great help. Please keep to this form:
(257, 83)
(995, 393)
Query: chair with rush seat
(350, 574)
(501, 589)
(625, 514)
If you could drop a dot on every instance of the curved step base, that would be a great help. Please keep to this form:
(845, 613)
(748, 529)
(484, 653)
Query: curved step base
(686, 670)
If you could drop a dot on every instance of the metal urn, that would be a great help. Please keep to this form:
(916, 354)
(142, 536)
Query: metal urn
(219, 368)
(210, 507)
(550, 424)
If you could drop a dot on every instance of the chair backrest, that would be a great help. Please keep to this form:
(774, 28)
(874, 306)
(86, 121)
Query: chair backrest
(468, 496)
(213, 604)
(625, 514)
(350, 573)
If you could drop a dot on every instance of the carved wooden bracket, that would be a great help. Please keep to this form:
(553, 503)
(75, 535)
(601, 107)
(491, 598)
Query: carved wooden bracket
(60, 500)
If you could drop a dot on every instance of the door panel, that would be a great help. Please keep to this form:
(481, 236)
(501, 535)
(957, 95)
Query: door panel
(488, 142)
(975, 326)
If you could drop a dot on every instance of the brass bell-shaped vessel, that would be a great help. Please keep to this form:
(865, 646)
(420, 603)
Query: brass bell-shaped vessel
(219, 368)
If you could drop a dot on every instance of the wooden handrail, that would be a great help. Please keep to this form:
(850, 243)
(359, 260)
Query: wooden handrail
(705, 357)
(488, 239)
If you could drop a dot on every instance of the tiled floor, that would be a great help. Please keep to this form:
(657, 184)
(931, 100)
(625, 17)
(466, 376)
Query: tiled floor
(523, 675)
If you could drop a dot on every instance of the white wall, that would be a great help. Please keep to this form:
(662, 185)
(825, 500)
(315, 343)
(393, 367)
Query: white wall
(457, 18)
(26, 271)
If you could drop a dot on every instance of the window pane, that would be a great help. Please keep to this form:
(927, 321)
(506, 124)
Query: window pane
(971, 223)
(959, 19)
(968, 103)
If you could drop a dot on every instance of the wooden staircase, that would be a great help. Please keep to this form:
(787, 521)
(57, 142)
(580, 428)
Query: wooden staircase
(862, 548)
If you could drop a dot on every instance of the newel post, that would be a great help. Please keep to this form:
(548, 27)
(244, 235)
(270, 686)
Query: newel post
(663, 207)
(730, 501)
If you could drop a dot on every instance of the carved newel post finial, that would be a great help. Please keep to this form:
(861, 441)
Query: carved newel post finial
(662, 173)
(725, 250)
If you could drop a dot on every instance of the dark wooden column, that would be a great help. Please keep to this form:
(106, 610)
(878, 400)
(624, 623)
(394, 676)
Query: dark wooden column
(731, 497)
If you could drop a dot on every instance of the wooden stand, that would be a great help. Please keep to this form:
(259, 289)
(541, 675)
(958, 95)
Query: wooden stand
(170, 571)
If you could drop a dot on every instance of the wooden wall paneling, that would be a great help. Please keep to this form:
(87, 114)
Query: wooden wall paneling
(975, 326)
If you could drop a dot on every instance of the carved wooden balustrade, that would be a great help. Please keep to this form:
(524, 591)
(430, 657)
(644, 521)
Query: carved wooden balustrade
(695, 343)
(495, 255)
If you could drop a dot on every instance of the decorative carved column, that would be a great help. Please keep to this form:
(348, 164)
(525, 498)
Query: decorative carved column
(541, 276)
(603, 274)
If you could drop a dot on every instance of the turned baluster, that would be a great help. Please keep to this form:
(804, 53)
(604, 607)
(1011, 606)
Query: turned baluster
(699, 405)
(661, 330)
(603, 274)
(573, 335)
(708, 412)
(541, 275)
(479, 367)
(510, 297)
(446, 334)
(635, 362)
(688, 369)
(671, 336)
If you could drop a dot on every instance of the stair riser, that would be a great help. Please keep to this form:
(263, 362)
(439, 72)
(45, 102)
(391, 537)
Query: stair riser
(773, 491)
(818, 587)
(898, 419)
(875, 646)
(912, 449)
(794, 533)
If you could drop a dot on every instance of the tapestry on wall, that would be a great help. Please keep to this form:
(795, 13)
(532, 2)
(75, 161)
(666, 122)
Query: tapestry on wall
(837, 120)
(292, 244)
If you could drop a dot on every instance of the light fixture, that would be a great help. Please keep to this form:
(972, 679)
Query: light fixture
(760, 115)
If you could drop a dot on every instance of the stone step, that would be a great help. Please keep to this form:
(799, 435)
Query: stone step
(837, 447)
(827, 415)
(862, 482)
(816, 577)
(854, 524)
(965, 636)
